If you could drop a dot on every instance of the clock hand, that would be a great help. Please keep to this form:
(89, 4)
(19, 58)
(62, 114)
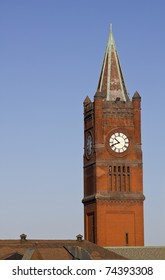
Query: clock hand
(115, 143)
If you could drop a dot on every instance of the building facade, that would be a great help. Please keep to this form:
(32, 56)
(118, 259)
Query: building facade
(113, 171)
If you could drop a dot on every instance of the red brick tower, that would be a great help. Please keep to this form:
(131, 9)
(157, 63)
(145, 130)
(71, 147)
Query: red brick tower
(113, 171)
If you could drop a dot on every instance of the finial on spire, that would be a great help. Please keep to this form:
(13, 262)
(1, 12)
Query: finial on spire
(111, 40)
(110, 27)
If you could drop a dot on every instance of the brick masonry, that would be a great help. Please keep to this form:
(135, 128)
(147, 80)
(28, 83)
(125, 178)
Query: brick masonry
(113, 182)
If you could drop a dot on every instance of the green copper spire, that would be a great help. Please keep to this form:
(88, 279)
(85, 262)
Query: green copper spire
(111, 78)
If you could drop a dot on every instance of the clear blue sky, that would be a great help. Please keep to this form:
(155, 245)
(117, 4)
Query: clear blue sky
(51, 53)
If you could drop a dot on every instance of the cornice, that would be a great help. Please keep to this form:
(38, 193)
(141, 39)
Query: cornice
(114, 197)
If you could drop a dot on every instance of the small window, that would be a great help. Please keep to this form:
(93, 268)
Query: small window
(126, 238)
(115, 183)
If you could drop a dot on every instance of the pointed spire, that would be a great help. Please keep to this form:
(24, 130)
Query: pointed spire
(87, 100)
(111, 78)
(136, 95)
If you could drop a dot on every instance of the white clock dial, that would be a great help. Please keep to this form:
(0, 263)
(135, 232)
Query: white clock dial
(119, 142)
(89, 144)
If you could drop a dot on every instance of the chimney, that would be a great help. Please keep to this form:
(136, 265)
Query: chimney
(79, 237)
(23, 237)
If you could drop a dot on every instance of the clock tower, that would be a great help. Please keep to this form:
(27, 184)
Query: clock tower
(113, 170)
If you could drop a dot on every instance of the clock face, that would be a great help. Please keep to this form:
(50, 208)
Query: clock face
(89, 144)
(119, 142)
